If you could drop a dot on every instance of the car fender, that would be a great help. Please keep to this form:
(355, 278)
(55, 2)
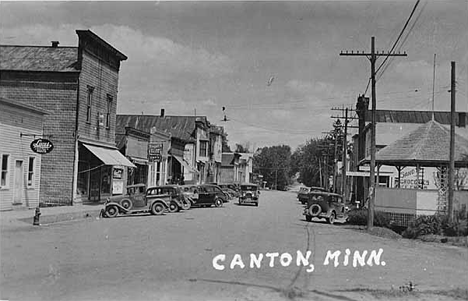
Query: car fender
(161, 201)
(117, 205)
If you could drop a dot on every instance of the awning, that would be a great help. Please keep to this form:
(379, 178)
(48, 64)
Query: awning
(139, 161)
(185, 164)
(109, 156)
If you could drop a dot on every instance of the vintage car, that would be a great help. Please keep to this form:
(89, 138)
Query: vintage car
(304, 191)
(249, 194)
(209, 195)
(231, 189)
(178, 200)
(135, 200)
(330, 206)
(190, 193)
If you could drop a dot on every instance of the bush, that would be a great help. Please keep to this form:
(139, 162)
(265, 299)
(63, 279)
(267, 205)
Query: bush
(437, 225)
(359, 217)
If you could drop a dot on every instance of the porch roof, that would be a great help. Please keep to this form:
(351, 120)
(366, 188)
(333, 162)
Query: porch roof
(428, 145)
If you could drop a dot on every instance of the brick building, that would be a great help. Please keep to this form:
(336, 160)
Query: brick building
(20, 166)
(78, 86)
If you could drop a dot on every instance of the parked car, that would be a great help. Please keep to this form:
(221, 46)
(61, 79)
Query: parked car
(302, 195)
(135, 200)
(330, 206)
(190, 193)
(178, 200)
(209, 194)
(231, 189)
(249, 194)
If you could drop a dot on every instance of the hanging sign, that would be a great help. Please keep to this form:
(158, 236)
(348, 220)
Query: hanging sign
(42, 146)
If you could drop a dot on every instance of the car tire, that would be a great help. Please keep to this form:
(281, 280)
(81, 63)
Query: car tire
(256, 204)
(127, 204)
(157, 208)
(112, 211)
(308, 218)
(186, 205)
(218, 202)
(331, 219)
(173, 207)
(315, 210)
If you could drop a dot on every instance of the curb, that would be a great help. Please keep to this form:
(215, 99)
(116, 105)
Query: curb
(62, 217)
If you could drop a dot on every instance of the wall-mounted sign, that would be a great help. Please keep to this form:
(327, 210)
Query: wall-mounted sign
(155, 152)
(42, 146)
(117, 173)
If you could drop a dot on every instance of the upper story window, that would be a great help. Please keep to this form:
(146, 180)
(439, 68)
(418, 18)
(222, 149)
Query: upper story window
(89, 103)
(31, 171)
(203, 148)
(110, 100)
(5, 171)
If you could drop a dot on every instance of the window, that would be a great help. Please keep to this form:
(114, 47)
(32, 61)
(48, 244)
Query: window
(203, 148)
(31, 171)
(4, 177)
(89, 103)
(109, 110)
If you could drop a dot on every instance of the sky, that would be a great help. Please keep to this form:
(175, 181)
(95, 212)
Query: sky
(274, 66)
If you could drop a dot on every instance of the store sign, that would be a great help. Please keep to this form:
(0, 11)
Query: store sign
(155, 152)
(117, 173)
(42, 146)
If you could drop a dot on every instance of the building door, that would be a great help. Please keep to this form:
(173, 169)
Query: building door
(18, 187)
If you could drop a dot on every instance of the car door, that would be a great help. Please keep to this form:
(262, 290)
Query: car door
(139, 197)
(338, 204)
(203, 195)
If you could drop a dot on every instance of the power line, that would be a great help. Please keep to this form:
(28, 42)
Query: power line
(399, 36)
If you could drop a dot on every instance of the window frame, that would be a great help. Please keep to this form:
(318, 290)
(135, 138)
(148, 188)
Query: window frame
(31, 172)
(89, 104)
(203, 150)
(110, 100)
(5, 172)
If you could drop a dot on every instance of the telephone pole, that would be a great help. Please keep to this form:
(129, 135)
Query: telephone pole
(451, 170)
(372, 56)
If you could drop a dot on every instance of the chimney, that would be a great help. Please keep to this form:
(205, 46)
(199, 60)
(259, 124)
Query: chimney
(55, 44)
(162, 112)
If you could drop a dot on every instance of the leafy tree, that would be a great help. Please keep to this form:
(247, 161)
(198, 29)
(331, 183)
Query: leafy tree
(274, 163)
(243, 148)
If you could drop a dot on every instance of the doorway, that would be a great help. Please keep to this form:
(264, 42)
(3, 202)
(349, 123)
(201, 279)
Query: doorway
(18, 184)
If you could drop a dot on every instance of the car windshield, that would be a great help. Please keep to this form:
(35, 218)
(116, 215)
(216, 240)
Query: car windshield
(249, 188)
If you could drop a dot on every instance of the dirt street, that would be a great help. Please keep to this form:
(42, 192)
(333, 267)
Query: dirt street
(229, 253)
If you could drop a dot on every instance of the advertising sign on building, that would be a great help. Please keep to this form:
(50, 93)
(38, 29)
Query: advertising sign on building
(155, 151)
(42, 146)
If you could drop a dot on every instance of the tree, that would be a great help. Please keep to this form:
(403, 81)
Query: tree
(225, 145)
(274, 163)
(243, 148)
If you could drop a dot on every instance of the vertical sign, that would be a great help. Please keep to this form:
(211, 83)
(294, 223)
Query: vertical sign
(155, 152)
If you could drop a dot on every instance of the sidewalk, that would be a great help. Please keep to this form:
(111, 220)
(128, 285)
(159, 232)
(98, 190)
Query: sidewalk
(49, 215)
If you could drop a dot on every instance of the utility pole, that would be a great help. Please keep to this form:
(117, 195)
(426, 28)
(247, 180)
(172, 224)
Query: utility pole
(451, 175)
(372, 56)
(345, 150)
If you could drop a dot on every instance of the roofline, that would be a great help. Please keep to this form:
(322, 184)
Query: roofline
(37, 71)
(94, 36)
(24, 106)
(38, 46)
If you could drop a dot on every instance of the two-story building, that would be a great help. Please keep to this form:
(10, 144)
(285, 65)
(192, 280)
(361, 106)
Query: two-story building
(78, 87)
(20, 159)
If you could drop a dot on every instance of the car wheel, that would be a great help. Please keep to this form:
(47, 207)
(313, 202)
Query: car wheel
(331, 219)
(127, 204)
(315, 210)
(308, 218)
(186, 205)
(218, 202)
(173, 207)
(256, 204)
(157, 208)
(112, 211)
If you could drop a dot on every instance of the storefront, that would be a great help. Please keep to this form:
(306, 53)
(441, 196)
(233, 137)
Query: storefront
(102, 172)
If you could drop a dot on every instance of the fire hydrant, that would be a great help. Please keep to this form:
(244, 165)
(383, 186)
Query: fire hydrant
(36, 217)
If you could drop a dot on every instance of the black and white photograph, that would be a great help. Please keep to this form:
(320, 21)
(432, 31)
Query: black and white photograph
(234, 150)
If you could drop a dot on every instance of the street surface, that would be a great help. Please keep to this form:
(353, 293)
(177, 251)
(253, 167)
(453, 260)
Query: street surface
(170, 257)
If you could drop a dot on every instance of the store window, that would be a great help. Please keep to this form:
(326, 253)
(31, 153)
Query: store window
(4, 176)
(31, 171)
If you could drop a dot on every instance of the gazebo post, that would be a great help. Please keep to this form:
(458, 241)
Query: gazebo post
(399, 168)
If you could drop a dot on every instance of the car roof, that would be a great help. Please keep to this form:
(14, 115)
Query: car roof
(249, 184)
